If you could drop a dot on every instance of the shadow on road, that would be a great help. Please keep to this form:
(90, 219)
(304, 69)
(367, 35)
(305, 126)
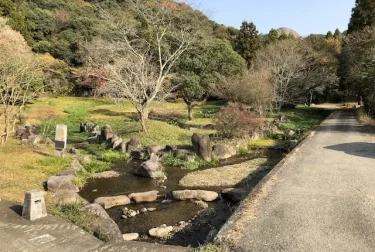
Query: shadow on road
(359, 149)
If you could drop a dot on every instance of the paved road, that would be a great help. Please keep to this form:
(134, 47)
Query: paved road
(321, 199)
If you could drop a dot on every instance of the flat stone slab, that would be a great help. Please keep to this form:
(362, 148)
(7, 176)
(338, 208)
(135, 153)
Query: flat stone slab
(131, 246)
(48, 234)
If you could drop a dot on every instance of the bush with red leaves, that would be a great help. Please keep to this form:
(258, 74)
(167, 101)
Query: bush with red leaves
(234, 121)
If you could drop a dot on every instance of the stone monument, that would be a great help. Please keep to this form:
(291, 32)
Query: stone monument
(34, 206)
(60, 139)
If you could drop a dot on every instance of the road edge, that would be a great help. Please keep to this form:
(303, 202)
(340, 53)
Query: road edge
(230, 232)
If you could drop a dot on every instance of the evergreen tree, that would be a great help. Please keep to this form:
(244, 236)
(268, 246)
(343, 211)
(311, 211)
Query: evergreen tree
(247, 41)
(273, 36)
(337, 34)
(329, 35)
(283, 36)
(363, 14)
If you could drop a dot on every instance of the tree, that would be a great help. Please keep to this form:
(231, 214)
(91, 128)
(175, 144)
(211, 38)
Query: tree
(273, 36)
(247, 42)
(363, 14)
(329, 35)
(137, 62)
(20, 77)
(355, 66)
(204, 67)
(337, 34)
(283, 36)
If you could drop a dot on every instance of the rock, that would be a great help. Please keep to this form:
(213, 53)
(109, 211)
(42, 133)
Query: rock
(211, 235)
(130, 237)
(144, 196)
(154, 149)
(133, 144)
(107, 174)
(84, 159)
(114, 139)
(235, 194)
(106, 133)
(137, 154)
(166, 201)
(195, 194)
(202, 146)
(221, 152)
(67, 197)
(73, 151)
(200, 203)
(283, 118)
(170, 148)
(144, 210)
(67, 173)
(150, 169)
(291, 133)
(189, 158)
(161, 232)
(61, 183)
(109, 202)
(123, 146)
(20, 132)
(76, 165)
(116, 145)
(151, 209)
(93, 140)
(34, 139)
(103, 226)
(293, 143)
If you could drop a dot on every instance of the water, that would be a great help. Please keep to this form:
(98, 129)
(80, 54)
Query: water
(167, 213)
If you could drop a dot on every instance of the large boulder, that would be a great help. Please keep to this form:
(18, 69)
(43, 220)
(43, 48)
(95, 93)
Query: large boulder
(109, 202)
(144, 196)
(61, 183)
(221, 152)
(234, 194)
(202, 146)
(151, 168)
(116, 142)
(102, 225)
(195, 194)
(106, 133)
(161, 232)
(133, 144)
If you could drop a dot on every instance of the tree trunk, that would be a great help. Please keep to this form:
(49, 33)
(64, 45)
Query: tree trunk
(360, 102)
(143, 114)
(190, 111)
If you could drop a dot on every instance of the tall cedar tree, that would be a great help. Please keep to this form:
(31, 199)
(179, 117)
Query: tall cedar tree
(363, 14)
(248, 41)
(329, 35)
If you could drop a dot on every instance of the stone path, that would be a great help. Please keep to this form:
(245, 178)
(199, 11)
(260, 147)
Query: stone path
(56, 234)
(321, 199)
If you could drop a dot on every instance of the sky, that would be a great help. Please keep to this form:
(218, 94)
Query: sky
(303, 16)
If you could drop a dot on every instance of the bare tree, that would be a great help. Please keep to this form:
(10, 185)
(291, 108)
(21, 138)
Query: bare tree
(136, 63)
(20, 75)
(285, 62)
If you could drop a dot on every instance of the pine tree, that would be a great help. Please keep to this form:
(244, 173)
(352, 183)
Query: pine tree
(363, 14)
(329, 35)
(273, 36)
(247, 41)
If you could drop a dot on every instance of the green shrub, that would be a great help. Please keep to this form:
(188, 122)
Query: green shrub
(114, 156)
(97, 166)
(179, 161)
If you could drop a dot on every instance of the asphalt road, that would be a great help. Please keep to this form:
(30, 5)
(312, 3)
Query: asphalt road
(323, 198)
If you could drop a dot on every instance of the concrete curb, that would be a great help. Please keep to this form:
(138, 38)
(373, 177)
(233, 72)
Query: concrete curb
(231, 226)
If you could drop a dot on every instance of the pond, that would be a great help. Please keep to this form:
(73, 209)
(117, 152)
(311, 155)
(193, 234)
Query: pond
(167, 211)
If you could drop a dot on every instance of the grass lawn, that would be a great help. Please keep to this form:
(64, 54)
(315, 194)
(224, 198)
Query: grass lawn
(24, 168)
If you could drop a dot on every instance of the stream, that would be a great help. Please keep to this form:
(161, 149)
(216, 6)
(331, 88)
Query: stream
(167, 211)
